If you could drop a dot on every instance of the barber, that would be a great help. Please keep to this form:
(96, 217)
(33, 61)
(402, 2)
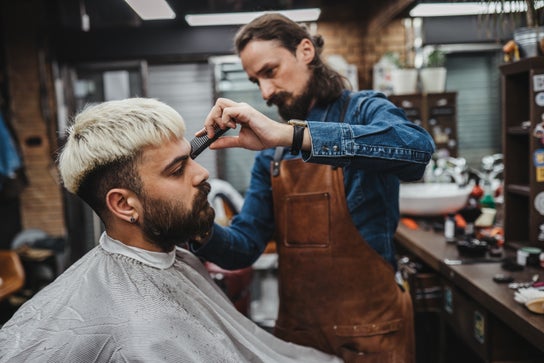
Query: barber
(325, 187)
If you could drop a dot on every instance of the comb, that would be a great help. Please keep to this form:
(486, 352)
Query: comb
(200, 143)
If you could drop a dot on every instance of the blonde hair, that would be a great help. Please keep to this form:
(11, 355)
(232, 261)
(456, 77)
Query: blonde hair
(112, 132)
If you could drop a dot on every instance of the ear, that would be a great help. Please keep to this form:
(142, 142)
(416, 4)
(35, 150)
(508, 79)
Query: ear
(123, 204)
(306, 50)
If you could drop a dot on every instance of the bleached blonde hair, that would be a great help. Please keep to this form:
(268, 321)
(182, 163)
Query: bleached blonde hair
(112, 132)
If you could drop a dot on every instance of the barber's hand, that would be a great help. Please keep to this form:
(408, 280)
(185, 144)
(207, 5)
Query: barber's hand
(202, 239)
(257, 131)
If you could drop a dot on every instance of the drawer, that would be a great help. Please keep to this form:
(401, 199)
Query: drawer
(482, 332)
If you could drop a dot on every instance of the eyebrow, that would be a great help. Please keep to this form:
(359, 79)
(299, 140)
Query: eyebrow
(175, 162)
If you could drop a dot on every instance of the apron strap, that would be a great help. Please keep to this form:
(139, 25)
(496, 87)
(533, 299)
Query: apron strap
(278, 154)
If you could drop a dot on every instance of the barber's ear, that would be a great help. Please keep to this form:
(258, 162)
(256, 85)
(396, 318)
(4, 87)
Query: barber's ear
(306, 50)
(123, 204)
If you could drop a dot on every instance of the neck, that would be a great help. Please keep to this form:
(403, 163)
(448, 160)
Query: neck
(131, 235)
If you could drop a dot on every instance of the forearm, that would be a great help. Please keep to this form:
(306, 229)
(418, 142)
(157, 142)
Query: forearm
(228, 249)
(389, 145)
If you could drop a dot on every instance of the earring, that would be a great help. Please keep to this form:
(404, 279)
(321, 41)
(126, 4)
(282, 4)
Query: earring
(132, 219)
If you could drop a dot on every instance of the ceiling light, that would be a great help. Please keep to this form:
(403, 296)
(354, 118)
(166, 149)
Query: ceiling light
(300, 15)
(152, 9)
(469, 8)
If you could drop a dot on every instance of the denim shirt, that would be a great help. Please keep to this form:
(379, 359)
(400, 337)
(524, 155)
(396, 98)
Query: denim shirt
(376, 146)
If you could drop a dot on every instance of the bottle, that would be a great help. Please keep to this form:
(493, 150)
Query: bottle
(477, 191)
(487, 200)
(449, 228)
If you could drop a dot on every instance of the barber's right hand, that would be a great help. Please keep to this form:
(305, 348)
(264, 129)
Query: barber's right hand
(257, 131)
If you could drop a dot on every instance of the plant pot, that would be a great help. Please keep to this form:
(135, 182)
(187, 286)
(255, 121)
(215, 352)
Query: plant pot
(528, 40)
(404, 81)
(433, 80)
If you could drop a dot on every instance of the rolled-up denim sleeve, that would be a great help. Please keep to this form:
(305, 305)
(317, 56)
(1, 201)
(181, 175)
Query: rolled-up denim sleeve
(374, 136)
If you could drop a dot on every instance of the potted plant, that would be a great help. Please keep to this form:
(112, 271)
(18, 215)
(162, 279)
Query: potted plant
(529, 38)
(433, 73)
(403, 77)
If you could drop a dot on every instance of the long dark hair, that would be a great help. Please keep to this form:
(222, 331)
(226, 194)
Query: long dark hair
(273, 26)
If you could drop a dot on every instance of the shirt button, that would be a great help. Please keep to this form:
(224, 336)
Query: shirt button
(335, 148)
(325, 148)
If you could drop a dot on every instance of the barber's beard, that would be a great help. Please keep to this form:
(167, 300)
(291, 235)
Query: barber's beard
(167, 223)
(294, 107)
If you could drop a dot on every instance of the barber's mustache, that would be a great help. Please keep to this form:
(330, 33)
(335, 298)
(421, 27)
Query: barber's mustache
(204, 188)
(201, 199)
(278, 98)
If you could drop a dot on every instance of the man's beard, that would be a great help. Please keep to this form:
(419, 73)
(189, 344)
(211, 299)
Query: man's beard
(298, 107)
(167, 223)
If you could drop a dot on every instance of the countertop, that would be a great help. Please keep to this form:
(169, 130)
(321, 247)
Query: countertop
(476, 280)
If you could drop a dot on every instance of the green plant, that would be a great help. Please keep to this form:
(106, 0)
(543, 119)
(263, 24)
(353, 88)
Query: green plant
(394, 57)
(436, 58)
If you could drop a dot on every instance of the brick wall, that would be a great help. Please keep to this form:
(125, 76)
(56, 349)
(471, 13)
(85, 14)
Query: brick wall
(41, 200)
(350, 40)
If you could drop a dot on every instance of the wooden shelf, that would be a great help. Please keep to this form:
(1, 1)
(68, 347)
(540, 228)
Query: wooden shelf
(518, 189)
(517, 130)
(522, 221)
(521, 66)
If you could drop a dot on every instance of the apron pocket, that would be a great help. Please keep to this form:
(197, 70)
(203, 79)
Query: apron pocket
(375, 342)
(303, 210)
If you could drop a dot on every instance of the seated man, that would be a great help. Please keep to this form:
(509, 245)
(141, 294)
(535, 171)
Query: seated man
(135, 296)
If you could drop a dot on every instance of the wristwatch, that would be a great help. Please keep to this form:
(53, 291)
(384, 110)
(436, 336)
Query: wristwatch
(298, 135)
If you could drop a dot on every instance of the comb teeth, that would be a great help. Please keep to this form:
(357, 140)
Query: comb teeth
(200, 143)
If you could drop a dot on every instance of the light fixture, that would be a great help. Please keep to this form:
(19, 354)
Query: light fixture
(299, 15)
(469, 8)
(152, 9)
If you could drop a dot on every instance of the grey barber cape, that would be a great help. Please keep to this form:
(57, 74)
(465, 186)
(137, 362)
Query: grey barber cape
(124, 304)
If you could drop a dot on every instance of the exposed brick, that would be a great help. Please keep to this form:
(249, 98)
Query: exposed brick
(41, 200)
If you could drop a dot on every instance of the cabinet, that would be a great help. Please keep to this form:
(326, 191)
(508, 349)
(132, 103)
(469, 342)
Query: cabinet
(523, 148)
(436, 112)
(470, 332)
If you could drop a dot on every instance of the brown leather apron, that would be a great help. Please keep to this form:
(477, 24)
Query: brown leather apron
(337, 294)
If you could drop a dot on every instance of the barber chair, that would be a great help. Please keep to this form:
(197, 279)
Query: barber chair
(12, 274)
(236, 284)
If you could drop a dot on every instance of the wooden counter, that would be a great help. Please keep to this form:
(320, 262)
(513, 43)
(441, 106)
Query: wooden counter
(476, 281)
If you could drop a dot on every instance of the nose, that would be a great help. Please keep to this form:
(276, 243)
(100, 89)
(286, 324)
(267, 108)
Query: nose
(200, 173)
(267, 89)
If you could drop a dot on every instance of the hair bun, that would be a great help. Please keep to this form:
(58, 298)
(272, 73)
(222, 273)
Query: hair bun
(319, 42)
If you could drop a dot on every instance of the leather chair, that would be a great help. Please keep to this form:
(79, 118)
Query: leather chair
(12, 274)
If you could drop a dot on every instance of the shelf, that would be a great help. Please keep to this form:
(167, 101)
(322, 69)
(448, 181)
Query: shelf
(518, 189)
(521, 113)
(521, 66)
(517, 130)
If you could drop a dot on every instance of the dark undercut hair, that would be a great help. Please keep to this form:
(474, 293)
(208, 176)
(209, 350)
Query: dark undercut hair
(121, 173)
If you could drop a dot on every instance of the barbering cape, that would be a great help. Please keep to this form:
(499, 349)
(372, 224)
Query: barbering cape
(123, 304)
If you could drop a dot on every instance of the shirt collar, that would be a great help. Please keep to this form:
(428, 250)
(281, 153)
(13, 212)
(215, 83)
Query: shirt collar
(160, 260)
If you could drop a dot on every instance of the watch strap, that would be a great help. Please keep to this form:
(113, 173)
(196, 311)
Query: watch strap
(298, 135)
